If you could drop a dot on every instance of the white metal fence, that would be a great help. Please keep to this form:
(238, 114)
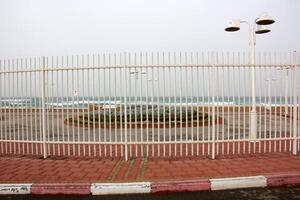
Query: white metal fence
(149, 105)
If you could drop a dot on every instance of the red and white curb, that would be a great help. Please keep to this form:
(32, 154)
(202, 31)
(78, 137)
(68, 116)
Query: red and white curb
(15, 188)
(238, 182)
(181, 186)
(152, 187)
(66, 189)
(120, 188)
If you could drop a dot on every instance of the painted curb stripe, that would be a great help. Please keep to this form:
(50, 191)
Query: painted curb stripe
(238, 182)
(63, 188)
(181, 186)
(283, 180)
(147, 187)
(120, 188)
(15, 188)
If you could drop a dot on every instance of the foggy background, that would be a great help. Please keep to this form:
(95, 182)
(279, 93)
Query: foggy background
(65, 27)
(35, 28)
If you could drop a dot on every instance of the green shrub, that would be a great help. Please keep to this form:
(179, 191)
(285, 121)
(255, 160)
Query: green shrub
(142, 113)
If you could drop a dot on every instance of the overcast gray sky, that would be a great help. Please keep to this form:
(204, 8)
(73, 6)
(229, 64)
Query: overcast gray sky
(65, 27)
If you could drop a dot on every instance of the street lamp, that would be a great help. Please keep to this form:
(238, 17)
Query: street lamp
(258, 27)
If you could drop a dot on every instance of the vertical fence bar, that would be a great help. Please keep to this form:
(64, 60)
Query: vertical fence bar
(243, 88)
(20, 107)
(115, 101)
(77, 99)
(152, 103)
(223, 101)
(186, 104)
(180, 94)
(147, 108)
(68, 106)
(6, 111)
(62, 107)
(275, 113)
(286, 89)
(35, 101)
(88, 103)
(104, 104)
(7, 114)
(209, 107)
(280, 109)
(136, 76)
(295, 82)
(170, 105)
(83, 106)
(212, 85)
(3, 103)
(218, 94)
(233, 101)
(52, 101)
(259, 91)
(197, 104)
(250, 103)
(109, 105)
(204, 103)
(14, 96)
(175, 105)
(270, 111)
(121, 117)
(1, 107)
(125, 106)
(48, 100)
(43, 110)
(141, 104)
(290, 100)
(129, 104)
(98, 104)
(192, 104)
(265, 109)
(228, 101)
(239, 102)
(57, 110)
(158, 105)
(164, 102)
(73, 93)
(94, 106)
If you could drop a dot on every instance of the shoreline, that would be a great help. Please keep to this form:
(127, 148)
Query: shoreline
(225, 108)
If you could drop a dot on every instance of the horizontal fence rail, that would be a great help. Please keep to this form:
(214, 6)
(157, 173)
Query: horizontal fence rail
(131, 105)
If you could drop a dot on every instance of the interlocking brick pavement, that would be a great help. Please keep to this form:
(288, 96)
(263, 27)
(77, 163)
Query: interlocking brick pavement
(35, 170)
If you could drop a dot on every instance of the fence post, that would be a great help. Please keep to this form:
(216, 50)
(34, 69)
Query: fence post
(43, 109)
(295, 74)
(213, 153)
(125, 106)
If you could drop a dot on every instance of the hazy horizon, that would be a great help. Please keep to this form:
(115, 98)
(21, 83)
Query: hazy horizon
(64, 27)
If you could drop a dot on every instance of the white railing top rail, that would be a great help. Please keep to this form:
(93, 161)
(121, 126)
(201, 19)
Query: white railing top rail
(54, 68)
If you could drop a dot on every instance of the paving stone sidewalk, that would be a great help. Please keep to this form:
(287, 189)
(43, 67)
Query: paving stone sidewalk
(35, 170)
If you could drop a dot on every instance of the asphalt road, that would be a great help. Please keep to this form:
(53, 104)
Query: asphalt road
(248, 194)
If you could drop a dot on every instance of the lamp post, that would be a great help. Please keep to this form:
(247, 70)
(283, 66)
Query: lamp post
(258, 27)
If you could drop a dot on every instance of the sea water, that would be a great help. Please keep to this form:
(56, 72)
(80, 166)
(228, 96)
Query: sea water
(84, 102)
